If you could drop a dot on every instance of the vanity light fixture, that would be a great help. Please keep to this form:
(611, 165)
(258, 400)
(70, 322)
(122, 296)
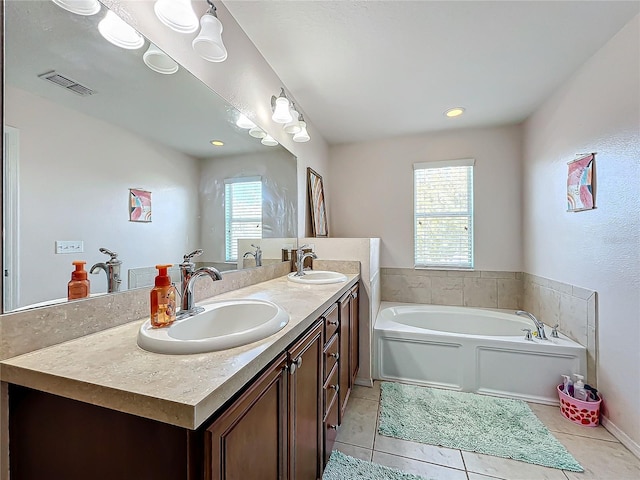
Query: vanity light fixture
(269, 141)
(257, 132)
(217, 143)
(120, 33)
(208, 44)
(280, 106)
(178, 15)
(244, 122)
(302, 136)
(454, 112)
(80, 7)
(293, 126)
(158, 61)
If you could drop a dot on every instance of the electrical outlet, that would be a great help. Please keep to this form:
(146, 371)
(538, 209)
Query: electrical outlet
(69, 246)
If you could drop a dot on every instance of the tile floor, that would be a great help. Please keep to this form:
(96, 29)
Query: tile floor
(602, 455)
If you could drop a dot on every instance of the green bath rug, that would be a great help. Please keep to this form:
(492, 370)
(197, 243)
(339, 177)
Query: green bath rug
(467, 421)
(344, 467)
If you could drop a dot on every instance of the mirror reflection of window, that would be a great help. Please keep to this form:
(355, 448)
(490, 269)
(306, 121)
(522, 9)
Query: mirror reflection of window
(242, 213)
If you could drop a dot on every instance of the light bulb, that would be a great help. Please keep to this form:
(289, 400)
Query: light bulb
(80, 7)
(281, 113)
(302, 135)
(120, 33)
(294, 125)
(269, 141)
(208, 44)
(244, 122)
(178, 15)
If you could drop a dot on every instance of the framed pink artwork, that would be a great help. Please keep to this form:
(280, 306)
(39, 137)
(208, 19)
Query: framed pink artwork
(139, 205)
(581, 184)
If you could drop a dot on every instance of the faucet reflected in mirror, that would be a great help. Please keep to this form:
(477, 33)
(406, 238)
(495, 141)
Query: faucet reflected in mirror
(112, 270)
(257, 255)
(189, 274)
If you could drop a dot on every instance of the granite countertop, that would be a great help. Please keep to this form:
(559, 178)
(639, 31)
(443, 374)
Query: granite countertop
(110, 370)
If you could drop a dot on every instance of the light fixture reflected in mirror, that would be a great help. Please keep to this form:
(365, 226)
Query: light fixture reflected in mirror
(79, 7)
(280, 106)
(208, 44)
(257, 132)
(269, 141)
(158, 61)
(119, 33)
(178, 15)
(244, 122)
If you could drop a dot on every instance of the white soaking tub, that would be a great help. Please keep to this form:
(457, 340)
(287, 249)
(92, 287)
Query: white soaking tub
(471, 350)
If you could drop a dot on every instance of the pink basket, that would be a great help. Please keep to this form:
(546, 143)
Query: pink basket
(582, 413)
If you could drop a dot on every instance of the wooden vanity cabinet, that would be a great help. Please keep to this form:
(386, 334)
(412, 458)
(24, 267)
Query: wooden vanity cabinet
(354, 334)
(349, 345)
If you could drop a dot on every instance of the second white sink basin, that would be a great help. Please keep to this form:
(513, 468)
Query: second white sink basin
(222, 325)
(318, 277)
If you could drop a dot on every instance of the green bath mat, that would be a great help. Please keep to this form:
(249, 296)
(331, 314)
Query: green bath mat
(344, 467)
(466, 421)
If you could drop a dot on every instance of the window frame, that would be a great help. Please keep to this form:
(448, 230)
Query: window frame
(229, 221)
(470, 214)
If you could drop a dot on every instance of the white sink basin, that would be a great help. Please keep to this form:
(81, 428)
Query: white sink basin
(222, 325)
(318, 276)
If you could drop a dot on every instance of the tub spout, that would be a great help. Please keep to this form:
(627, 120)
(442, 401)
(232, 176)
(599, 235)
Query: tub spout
(539, 325)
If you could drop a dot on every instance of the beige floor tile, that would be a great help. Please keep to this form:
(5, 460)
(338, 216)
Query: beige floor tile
(370, 393)
(428, 470)
(359, 424)
(477, 476)
(601, 460)
(353, 451)
(508, 468)
(447, 457)
(555, 422)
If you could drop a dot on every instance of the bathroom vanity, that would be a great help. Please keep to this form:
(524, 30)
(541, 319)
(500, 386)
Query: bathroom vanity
(100, 407)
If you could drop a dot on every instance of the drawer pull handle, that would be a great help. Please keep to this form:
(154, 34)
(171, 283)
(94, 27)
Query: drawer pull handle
(333, 322)
(334, 387)
(335, 355)
(295, 364)
(332, 427)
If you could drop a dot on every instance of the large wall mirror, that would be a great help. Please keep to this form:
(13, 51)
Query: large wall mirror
(73, 163)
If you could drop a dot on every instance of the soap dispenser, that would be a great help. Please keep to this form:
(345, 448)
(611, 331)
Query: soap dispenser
(78, 287)
(163, 299)
(579, 391)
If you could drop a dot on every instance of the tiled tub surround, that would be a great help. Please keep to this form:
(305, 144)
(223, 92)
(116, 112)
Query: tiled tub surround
(573, 308)
(110, 370)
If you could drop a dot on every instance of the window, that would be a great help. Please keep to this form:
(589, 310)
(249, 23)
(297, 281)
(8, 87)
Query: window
(443, 214)
(242, 212)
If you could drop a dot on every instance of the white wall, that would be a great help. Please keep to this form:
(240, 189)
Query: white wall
(279, 182)
(597, 110)
(244, 79)
(371, 192)
(84, 195)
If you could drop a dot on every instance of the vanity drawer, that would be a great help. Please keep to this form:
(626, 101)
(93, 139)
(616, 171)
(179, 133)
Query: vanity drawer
(331, 388)
(330, 425)
(331, 356)
(331, 321)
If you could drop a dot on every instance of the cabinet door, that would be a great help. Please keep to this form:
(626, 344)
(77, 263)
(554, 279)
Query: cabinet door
(344, 370)
(354, 334)
(305, 405)
(249, 440)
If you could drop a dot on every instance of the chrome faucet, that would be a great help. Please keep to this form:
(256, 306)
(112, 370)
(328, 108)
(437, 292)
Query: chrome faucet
(538, 323)
(257, 255)
(189, 274)
(301, 256)
(111, 268)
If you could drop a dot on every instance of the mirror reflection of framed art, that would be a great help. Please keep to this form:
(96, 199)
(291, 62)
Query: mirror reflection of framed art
(316, 204)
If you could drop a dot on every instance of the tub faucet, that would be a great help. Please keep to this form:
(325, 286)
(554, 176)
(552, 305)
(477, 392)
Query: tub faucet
(301, 258)
(111, 268)
(257, 255)
(189, 274)
(538, 323)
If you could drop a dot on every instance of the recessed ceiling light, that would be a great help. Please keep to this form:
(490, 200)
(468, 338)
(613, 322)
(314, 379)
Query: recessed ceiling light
(217, 143)
(454, 112)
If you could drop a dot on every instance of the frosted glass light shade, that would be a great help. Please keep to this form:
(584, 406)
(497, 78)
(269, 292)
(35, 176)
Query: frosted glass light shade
(158, 61)
(178, 15)
(302, 135)
(281, 113)
(244, 122)
(208, 44)
(294, 125)
(257, 132)
(120, 33)
(269, 141)
(80, 7)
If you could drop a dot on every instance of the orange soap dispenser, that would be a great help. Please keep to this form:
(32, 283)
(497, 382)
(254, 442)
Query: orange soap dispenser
(78, 287)
(163, 299)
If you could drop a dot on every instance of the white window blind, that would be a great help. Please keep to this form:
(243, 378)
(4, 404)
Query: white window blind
(242, 212)
(443, 214)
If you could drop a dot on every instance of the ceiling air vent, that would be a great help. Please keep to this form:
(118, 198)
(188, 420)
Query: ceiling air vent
(66, 83)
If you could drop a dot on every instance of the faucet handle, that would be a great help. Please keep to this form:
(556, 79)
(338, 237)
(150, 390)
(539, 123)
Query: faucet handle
(113, 255)
(189, 256)
(527, 335)
(554, 331)
(257, 247)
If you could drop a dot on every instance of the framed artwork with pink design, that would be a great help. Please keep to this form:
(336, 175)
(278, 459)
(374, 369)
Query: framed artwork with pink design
(139, 205)
(316, 204)
(581, 183)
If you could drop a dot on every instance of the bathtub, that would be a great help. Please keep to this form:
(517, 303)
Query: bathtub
(471, 350)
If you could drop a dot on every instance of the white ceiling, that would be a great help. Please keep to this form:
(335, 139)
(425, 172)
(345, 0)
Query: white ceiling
(373, 69)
